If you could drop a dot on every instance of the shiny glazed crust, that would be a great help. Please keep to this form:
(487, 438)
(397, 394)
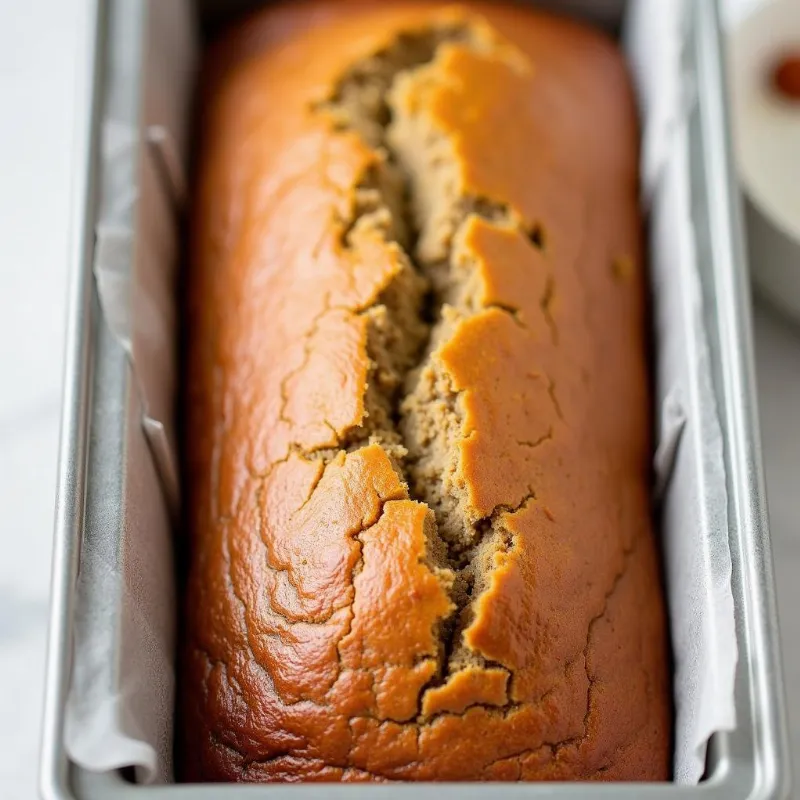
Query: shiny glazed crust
(417, 416)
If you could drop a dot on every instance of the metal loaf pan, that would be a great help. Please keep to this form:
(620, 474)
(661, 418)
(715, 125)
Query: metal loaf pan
(101, 406)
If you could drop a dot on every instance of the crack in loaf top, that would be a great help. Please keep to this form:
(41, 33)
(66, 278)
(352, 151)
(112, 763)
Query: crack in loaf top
(417, 439)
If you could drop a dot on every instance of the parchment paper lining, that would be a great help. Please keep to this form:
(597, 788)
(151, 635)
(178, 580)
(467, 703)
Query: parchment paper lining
(121, 702)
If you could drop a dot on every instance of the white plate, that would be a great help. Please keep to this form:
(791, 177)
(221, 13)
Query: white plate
(767, 142)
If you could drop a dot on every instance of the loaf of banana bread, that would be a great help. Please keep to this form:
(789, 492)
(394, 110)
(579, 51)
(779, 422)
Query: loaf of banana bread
(417, 435)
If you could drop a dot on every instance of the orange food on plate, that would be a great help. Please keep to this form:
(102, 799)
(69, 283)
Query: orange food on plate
(786, 76)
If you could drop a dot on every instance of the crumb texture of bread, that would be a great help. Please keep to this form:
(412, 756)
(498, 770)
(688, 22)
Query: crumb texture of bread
(417, 434)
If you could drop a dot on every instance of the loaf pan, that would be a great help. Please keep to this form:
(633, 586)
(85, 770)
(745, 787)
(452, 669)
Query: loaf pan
(104, 404)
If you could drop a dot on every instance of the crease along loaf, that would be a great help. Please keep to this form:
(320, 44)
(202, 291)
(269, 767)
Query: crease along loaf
(417, 416)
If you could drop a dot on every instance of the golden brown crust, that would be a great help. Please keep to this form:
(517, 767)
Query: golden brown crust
(347, 617)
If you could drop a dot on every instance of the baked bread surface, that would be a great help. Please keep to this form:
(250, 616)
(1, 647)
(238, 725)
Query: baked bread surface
(417, 417)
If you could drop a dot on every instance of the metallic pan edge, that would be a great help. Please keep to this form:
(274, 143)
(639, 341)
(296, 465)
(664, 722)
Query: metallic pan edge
(717, 206)
(76, 404)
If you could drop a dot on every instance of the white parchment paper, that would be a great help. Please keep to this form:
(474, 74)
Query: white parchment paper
(694, 509)
(119, 720)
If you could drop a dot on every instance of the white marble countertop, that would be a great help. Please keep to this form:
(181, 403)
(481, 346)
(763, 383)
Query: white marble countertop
(37, 89)
(37, 83)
